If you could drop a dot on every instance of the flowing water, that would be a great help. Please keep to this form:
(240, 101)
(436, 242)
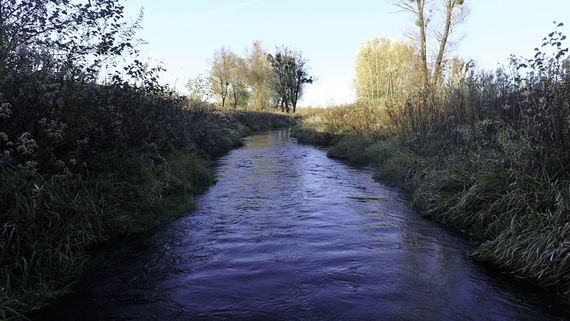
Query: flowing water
(287, 234)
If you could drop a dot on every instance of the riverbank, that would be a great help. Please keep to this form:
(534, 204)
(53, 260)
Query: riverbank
(84, 163)
(516, 218)
(263, 244)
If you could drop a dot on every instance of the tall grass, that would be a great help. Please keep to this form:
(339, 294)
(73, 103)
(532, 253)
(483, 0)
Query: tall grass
(485, 153)
(82, 163)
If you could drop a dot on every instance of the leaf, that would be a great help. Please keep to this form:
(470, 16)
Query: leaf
(560, 24)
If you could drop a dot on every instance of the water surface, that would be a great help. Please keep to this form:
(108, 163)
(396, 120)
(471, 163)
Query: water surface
(288, 234)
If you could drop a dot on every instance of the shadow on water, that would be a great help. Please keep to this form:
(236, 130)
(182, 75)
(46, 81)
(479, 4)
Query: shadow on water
(288, 233)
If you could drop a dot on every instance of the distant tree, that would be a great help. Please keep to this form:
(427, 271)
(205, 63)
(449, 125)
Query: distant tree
(289, 77)
(446, 19)
(238, 82)
(282, 64)
(224, 61)
(383, 68)
(199, 88)
(259, 74)
(300, 78)
(260, 77)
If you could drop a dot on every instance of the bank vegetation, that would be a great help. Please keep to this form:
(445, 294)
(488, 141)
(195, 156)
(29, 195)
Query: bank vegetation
(85, 158)
(484, 152)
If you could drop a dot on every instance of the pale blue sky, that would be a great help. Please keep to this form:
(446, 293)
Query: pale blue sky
(184, 34)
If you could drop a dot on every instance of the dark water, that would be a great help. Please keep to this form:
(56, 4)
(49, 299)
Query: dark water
(288, 233)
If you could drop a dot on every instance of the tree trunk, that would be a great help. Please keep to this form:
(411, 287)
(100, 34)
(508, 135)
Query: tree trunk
(286, 104)
(296, 94)
(442, 43)
(423, 50)
(222, 92)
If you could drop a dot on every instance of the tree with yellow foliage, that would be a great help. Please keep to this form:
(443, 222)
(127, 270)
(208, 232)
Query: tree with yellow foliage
(384, 68)
(221, 72)
(259, 73)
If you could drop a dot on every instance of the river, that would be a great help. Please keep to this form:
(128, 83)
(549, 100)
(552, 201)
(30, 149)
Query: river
(287, 233)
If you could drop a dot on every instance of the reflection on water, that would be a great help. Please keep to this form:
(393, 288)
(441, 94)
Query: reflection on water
(288, 233)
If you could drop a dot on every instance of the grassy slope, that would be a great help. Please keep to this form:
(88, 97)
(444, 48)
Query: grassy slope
(50, 221)
(518, 220)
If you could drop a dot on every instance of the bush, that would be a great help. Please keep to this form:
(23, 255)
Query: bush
(82, 163)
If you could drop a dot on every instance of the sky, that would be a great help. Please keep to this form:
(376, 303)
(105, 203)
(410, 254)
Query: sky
(183, 34)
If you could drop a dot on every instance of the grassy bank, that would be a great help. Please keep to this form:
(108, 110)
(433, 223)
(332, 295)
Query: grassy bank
(84, 163)
(518, 220)
(488, 155)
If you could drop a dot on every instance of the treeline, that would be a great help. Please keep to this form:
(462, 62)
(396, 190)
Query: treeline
(259, 81)
(487, 153)
(81, 160)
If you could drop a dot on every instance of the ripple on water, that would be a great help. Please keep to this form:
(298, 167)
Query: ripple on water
(287, 233)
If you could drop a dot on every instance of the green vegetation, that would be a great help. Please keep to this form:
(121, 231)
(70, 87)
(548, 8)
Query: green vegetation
(109, 161)
(83, 161)
(485, 153)
(92, 147)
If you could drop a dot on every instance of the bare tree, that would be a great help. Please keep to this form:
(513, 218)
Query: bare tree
(453, 12)
(452, 18)
(417, 9)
